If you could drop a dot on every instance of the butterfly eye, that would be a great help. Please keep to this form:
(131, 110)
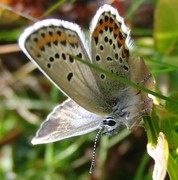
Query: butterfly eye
(109, 122)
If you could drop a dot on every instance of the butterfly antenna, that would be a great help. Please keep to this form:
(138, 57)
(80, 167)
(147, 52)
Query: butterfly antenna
(94, 150)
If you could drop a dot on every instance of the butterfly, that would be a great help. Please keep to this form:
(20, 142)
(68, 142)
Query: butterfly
(95, 100)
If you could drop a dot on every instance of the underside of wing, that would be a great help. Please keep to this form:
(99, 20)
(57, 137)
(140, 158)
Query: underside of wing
(110, 46)
(141, 75)
(67, 120)
(50, 44)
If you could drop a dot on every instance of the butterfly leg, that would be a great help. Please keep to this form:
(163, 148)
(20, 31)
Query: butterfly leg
(130, 123)
(140, 82)
(145, 79)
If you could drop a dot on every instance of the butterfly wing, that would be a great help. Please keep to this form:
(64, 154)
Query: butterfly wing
(141, 74)
(48, 44)
(66, 120)
(110, 49)
(110, 46)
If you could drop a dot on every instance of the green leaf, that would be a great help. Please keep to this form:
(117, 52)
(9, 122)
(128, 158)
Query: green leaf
(169, 125)
(169, 122)
(152, 127)
(166, 26)
(172, 167)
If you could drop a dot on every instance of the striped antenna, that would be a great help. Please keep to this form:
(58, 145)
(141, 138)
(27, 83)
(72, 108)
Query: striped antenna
(94, 150)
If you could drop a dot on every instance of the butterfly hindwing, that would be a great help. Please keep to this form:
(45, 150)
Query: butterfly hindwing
(66, 120)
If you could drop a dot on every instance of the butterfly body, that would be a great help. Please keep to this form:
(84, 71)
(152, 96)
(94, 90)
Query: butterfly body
(96, 101)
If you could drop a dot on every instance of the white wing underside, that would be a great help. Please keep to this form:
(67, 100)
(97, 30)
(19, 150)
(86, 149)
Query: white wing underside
(82, 88)
(66, 120)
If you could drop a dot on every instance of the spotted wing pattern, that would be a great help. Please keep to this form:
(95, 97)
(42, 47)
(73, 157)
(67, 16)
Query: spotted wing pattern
(110, 47)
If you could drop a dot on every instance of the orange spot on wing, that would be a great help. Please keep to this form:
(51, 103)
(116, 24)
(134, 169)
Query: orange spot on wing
(116, 32)
(53, 38)
(97, 30)
(42, 42)
(111, 25)
(121, 41)
(39, 44)
(62, 37)
(72, 39)
(47, 39)
(35, 54)
(102, 27)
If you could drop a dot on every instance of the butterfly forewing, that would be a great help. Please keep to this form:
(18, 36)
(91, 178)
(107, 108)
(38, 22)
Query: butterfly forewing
(110, 42)
(49, 43)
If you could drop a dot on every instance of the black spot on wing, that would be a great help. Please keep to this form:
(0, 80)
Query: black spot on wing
(70, 76)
